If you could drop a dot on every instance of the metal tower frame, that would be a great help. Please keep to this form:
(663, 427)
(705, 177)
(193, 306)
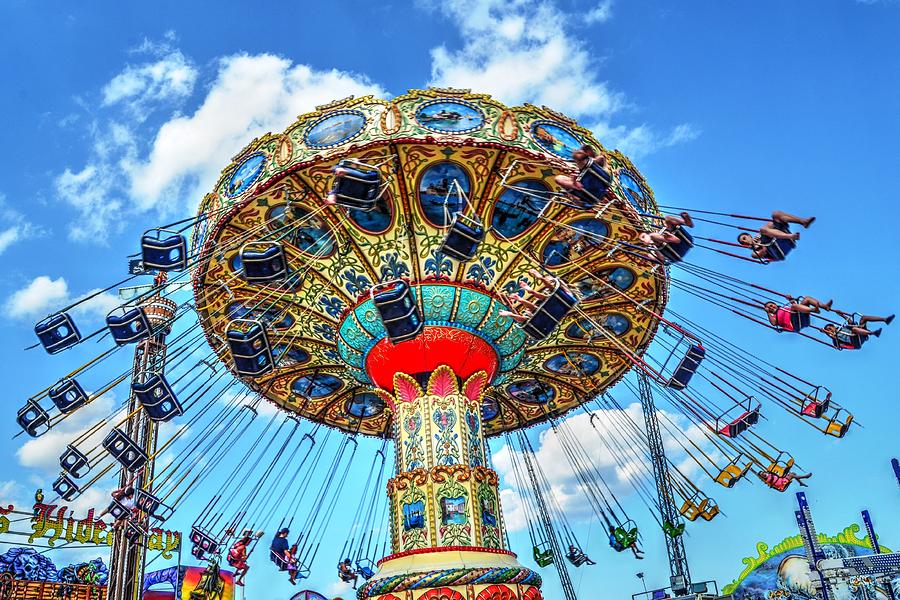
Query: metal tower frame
(680, 579)
(564, 579)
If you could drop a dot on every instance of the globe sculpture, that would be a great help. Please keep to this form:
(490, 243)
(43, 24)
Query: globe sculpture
(364, 313)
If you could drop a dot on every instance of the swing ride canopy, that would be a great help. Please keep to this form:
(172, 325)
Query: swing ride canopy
(448, 151)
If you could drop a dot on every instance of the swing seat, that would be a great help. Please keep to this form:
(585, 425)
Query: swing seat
(163, 253)
(250, 348)
(687, 367)
(151, 505)
(263, 262)
(156, 396)
(746, 419)
(596, 181)
(117, 510)
(673, 531)
(463, 238)
(356, 185)
(125, 450)
(839, 423)
(778, 249)
(203, 541)
(781, 465)
(33, 419)
(198, 553)
(710, 511)
(845, 339)
(57, 332)
(733, 472)
(134, 532)
(365, 568)
(130, 326)
(543, 554)
(68, 396)
(626, 535)
(550, 312)
(65, 488)
(691, 509)
(396, 305)
(576, 560)
(74, 462)
(675, 252)
(812, 406)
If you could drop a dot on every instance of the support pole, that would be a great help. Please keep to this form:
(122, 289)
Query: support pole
(680, 576)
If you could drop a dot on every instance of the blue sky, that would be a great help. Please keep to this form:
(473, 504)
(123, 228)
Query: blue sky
(120, 116)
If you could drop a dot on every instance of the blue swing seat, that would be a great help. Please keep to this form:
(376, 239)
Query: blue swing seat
(250, 348)
(263, 262)
(687, 367)
(366, 568)
(130, 326)
(134, 532)
(777, 249)
(550, 312)
(68, 395)
(125, 450)
(33, 419)
(399, 312)
(675, 252)
(74, 462)
(57, 332)
(463, 237)
(596, 181)
(117, 510)
(357, 188)
(163, 253)
(65, 488)
(156, 396)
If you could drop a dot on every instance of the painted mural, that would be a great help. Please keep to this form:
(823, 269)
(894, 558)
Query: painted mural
(782, 572)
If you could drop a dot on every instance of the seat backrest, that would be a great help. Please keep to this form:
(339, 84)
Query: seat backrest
(163, 253)
(68, 395)
(130, 326)
(66, 488)
(33, 419)
(57, 332)
(124, 450)
(74, 462)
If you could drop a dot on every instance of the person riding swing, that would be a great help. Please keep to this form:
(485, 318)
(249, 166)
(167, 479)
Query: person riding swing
(617, 545)
(671, 243)
(853, 334)
(794, 316)
(346, 572)
(238, 555)
(775, 239)
(577, 556)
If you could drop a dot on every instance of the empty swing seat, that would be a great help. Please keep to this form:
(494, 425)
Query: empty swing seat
(68, 396)
(74, 462)
(675, 252)
(396, 305)
(550, 312)
(134, 532)
(839, 423)
(366, 568)
(65, 488)
(543, 554)
(263, 262)
(687, 367)
(125, 450)
(151, 505)
(57, 332)
(596, 181)
(203, 541)
(129, 327)
(156, 396)
(117, 510)
(740, 424)
(250, 348)
(710, 511)
(33, 419)
(463, 238)
(673, 531)
(356, 185)
(163, 253)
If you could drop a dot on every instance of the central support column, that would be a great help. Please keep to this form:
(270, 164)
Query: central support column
(447, 532)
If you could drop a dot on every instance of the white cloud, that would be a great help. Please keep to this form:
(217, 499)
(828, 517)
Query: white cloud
(140, 87)
(600, 13)
(620, 469)
(44, 295)
(14, 227)
(43, 452)
(642, 140)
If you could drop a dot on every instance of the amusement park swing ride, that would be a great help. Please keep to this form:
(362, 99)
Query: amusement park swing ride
(433, 270)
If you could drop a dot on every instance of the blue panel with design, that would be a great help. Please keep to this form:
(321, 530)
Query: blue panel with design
(316, 385)
(511, 361)
(365, 405)
(573, 364)
(335, 128)
(245, 174)
(353, 335)
(633, 189)
(532, 391)
(437, 194)
(496, 325)
(449, 116)
(472, 308)
(555, 138)
(367, 315)
(437, 302)
(516, 210)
